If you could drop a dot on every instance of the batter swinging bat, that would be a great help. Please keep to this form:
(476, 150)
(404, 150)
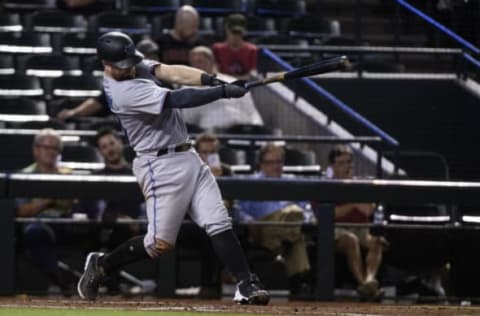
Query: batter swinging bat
(324, 66)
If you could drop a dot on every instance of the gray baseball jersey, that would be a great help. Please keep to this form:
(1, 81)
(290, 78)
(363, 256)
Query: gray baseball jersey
(175, 183)
(138, 103)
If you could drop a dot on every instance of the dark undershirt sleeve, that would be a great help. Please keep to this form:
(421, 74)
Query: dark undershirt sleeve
(193, 97)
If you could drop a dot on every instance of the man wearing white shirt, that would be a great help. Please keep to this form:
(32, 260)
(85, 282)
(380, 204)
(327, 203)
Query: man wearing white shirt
(220, 113)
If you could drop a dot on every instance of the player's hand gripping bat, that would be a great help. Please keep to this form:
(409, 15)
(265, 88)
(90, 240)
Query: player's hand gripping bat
(324, 66)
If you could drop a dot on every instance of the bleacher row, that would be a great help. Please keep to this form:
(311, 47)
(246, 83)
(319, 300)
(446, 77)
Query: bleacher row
(80, 154)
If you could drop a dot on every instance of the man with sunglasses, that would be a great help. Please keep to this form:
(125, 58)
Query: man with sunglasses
(288, 242)
(41, 239)
(350, 241)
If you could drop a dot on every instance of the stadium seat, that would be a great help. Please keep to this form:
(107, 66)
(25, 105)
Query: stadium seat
(418, 214)
(249, 129)
(16, 151)
(76, 87)
(49, 66)
(296, 157)
(221, 7)
(10, 22)
(232, 156)
(20, 85)
(207, 26)
(55, 21)
(279, 7)
(309, 27)
(23, 106)
(80, 153)
(25, 43)
(152, 6)
(58, 104)
(114, 21)
(29, 5)
(79, 44)
(194, 129)
(261, 26)
(301, 161)
(39, 124)
(91, 65)
(294, 57)
(7, 65)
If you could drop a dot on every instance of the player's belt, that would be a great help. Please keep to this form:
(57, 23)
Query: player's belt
(178, 148)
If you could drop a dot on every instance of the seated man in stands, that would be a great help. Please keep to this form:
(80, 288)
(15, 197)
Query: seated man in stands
(110, 146)
(221, 113)
(41, 239)
(177, 42)
(351, 241)
(111, 234)
(236, 56)
(289, 242)
(207, 146)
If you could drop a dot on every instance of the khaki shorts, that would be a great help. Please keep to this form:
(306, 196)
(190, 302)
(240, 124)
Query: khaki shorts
(362, 234)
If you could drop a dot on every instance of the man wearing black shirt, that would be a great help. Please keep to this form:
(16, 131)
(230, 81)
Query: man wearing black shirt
(176, 44)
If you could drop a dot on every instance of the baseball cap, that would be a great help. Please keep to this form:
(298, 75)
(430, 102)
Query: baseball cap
(237, 23)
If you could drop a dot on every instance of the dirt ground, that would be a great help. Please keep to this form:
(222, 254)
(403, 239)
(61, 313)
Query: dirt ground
(275, 308)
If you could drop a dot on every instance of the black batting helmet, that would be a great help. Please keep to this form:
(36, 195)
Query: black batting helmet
(117, 49)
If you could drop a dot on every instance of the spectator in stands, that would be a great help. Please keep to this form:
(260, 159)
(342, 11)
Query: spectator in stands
(111, 234)
(236, 56)
(221, 113)
(110, 146)
(289, 242)
(41, 239)
(350, 241)
(149, 49)
(207, 146)
(177, 42)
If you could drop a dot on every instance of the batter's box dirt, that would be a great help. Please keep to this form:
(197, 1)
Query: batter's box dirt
(212, 307)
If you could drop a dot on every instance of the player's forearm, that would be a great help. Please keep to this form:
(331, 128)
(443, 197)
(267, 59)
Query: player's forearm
(179, 74)
(193, 97)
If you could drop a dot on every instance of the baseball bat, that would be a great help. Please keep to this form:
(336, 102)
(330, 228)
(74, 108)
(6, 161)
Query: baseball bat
(324, 66)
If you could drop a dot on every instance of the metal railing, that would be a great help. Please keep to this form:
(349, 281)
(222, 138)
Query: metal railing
(324, 191)
(466, 45)
(335, 101)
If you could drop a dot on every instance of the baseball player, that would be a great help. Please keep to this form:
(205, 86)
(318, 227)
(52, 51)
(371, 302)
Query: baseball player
(173, 178)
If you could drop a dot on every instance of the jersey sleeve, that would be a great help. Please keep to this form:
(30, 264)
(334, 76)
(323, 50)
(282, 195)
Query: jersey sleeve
(143, 96)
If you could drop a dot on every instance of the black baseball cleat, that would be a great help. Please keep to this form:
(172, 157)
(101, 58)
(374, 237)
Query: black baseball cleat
(92, 276)
(251, 291)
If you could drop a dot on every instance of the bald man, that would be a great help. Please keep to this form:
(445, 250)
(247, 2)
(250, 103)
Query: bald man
(177, 42)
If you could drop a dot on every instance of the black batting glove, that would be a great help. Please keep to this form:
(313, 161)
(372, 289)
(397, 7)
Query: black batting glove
(240, 83)
(233, 91)
(209, 80)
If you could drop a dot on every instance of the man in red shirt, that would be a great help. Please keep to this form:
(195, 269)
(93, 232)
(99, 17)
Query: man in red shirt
(350, 241)
(236, 56)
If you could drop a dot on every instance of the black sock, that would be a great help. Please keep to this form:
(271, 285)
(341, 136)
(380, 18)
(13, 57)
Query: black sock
(130, 251)
(228, 249)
